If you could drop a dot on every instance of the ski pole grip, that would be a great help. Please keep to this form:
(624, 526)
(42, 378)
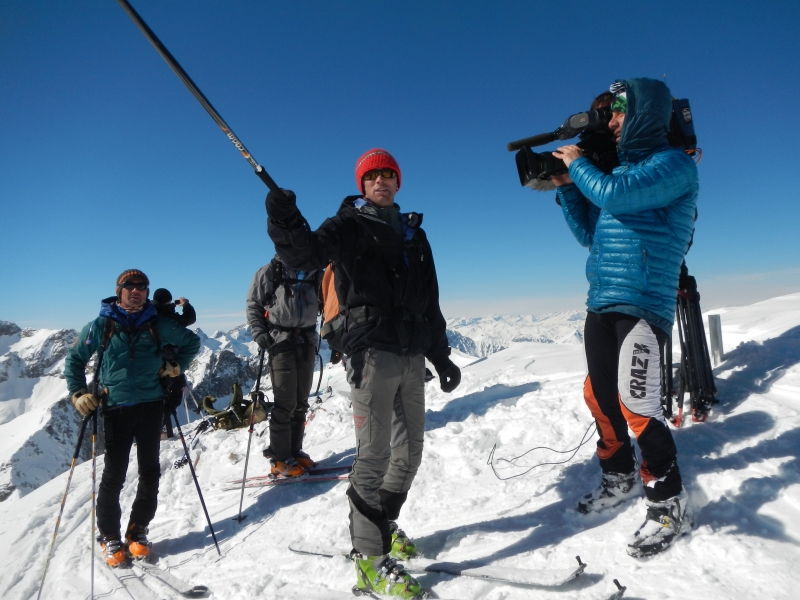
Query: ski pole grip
(534, 140)
(269, 182)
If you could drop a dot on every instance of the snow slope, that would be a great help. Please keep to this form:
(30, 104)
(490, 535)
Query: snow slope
(741, 469)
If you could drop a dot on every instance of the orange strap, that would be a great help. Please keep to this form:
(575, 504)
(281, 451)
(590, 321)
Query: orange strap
(331, 309)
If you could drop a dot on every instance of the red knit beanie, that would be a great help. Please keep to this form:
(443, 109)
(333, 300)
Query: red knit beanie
(377, 158)
(135, 274)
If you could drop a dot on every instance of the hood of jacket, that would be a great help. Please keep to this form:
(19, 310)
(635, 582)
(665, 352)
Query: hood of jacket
(648, 116)
(358, 205)
(110, 308)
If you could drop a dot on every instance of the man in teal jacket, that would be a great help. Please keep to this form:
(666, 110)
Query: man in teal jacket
(637, 223)
(133, 403)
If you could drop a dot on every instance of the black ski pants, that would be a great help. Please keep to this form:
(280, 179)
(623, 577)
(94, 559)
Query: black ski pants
(142, 423)
(623, 390)
(292, 373)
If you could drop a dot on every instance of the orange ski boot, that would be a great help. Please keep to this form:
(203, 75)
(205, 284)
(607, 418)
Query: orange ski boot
(112, 551)
(138, 545)
(285, 468)
(304, 460)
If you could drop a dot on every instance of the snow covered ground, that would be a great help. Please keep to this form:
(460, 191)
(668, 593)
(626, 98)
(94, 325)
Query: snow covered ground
(741, 469)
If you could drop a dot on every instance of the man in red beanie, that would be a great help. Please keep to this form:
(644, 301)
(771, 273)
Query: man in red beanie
(389, 297)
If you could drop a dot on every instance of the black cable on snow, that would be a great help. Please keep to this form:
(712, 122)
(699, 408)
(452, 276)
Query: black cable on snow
(491, 462)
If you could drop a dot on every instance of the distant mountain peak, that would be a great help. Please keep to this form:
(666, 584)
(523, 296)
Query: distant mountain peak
(482, 336)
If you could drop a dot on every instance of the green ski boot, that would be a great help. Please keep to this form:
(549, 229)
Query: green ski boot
(383, 576)
(402, 547)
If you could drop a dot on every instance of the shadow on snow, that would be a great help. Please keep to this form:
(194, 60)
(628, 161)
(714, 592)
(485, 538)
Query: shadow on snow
(269, 501)
(477, 403)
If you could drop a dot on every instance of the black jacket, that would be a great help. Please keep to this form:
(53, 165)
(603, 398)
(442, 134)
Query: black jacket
(385, 282)
(188, 317)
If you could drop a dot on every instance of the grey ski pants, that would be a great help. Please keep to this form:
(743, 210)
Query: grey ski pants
(389, 418)
(292, 374)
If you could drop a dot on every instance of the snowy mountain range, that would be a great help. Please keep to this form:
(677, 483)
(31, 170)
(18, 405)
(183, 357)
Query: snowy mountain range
(482, 336)
(741, 469)
(38, 426)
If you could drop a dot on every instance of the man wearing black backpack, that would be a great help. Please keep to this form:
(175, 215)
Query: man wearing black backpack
(388, 293)
(129, 334)
(282, 309)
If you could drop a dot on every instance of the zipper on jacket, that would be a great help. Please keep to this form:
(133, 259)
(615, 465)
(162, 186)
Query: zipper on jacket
(644, 268)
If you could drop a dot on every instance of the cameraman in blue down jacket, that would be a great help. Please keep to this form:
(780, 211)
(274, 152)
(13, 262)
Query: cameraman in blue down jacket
(637, 223)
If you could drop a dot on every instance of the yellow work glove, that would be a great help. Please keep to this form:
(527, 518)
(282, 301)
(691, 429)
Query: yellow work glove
(85, 402)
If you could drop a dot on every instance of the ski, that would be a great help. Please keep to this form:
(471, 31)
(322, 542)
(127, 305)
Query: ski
(131, 582)
(508, 575)
(179, 586)
(313, 472)
(317, 404)
(328, 594)
(288, 480)
(367, 594)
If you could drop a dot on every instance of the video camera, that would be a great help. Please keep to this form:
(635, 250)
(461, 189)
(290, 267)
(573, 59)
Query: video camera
(597, 142)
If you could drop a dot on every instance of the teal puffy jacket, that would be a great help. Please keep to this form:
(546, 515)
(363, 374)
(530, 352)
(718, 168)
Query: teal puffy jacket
(637, 222)
(132, 359)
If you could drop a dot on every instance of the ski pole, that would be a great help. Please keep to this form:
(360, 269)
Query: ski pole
(191, 394)
(94, 481)
(185, 405)
(187, 81)
(319, 344)
(261, 353)
(196, 483)
(96, 391)
(64, 501)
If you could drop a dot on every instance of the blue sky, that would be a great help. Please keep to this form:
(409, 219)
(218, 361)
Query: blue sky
(107, 162)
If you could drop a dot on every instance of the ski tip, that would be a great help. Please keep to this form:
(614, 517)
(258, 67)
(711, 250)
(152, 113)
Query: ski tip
(581, 566)
(620, 590)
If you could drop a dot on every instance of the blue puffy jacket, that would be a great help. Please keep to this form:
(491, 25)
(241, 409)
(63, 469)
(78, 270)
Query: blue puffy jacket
(637, 221)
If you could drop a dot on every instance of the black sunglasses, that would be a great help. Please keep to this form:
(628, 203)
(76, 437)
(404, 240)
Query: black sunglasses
(134, 285)
(385, 173)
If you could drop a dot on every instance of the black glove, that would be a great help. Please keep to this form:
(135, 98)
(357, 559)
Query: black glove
(449, 374)
(264, 340)
(281, 208)
(173, 391)
(336, 357)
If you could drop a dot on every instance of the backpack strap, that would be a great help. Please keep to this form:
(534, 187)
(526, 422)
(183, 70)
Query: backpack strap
(151, 326)
(108, 331)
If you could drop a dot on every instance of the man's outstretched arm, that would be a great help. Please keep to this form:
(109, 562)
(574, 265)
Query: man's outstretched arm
(298, 247)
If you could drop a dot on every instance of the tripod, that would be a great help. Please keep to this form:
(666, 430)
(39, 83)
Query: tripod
(694, 369)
